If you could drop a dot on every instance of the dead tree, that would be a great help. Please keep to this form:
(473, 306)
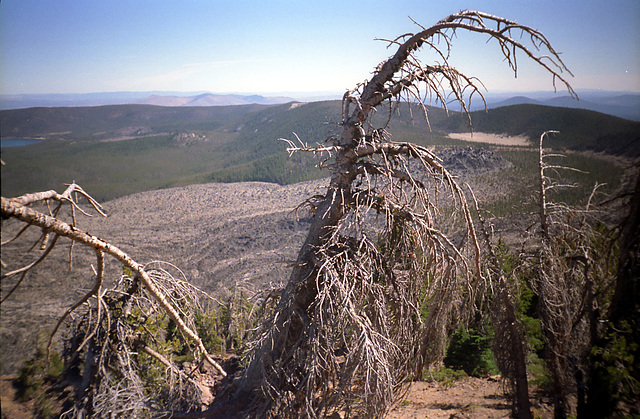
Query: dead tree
(573, 282)
(109, 333)
(615, 382)
(509, 346)
(390, 240)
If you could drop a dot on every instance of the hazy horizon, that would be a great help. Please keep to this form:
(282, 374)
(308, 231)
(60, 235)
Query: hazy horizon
(301, 94)
(623, 104)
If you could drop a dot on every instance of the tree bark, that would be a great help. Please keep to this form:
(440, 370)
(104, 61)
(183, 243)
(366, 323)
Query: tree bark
(626, 299)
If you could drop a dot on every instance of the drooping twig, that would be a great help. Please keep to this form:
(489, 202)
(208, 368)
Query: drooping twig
(15, 209)
(94, 291)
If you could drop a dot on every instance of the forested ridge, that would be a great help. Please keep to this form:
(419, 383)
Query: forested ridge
(139, 147)
(581, 129)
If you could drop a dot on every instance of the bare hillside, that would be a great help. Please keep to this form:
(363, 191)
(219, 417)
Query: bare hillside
(222, 236)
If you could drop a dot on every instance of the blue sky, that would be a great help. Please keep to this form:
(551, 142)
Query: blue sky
(272, 47)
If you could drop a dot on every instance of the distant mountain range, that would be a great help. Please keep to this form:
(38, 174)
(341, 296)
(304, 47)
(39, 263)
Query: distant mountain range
(209, 99)
(125, 98)
(625, 106)
(620, 104)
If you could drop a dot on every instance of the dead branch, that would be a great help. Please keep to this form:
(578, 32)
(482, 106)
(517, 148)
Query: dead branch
(499, 29)
(94, 291)
(347, 330)
(14, 209)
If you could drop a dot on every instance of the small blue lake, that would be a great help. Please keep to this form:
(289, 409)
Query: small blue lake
(17, 142)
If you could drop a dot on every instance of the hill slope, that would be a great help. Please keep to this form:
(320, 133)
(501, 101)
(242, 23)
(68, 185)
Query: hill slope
(98, 122)
(122, 149)
(621, 104)
(580, 129)
(159, 147)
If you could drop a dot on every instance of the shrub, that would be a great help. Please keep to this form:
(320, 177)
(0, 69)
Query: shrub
(443, 376)
(470, 351)
(35, 377)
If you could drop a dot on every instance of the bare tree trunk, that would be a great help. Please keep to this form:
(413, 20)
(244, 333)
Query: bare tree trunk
(519, 357)
(548, 274)
(348, 305)
(509, 342)
(573, 273)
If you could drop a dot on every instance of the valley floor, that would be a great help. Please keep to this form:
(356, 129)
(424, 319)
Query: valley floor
(497, 139)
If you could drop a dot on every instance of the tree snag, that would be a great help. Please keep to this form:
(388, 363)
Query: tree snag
(509, 344)
(391, 260)
(574, 259)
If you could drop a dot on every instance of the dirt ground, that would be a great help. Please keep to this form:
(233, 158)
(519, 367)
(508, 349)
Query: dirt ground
(498, 139)
(467, 398)
(9, 407)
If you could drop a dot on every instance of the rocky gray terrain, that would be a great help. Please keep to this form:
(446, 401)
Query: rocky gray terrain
(222, 236)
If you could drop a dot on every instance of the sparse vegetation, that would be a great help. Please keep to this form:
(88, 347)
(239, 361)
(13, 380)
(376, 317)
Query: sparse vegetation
(444, 376)
(36, 378)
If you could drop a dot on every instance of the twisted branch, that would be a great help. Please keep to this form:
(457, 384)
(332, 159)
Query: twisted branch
(13, 208)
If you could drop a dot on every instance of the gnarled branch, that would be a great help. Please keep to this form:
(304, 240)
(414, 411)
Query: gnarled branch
(14, 209)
